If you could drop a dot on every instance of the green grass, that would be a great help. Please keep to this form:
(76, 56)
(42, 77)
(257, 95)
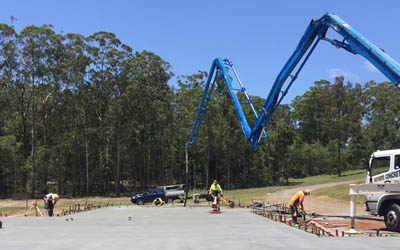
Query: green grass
(94, 201)
(246, 195)
(262, 194)
(11, 209)
(349, 175)
(339, 193)
(252, 194)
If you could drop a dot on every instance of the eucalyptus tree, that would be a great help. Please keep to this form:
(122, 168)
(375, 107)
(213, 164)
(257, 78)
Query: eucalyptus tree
(76, 65)
(382, 115)
(9, 65)
(102, 46)
(149, 108)
(186, 100)
(37, 51)
(12, 102)
(121, 68)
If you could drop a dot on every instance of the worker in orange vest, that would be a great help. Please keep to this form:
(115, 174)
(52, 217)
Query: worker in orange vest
(295, 201)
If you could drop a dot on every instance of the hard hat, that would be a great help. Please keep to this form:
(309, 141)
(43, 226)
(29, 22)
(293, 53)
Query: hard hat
(307, 191)
(55, 196)
(215, 182)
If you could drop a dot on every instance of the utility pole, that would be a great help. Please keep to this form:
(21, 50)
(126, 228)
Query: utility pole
(187, 170)
(33, 138)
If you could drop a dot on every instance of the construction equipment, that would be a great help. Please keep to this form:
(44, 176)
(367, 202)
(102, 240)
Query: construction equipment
(352, 42)
(228, 203)
(382, 188)
(215, 204)
(35, 207)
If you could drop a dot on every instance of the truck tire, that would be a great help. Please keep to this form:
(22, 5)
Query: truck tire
(392, 218)
(140, 202)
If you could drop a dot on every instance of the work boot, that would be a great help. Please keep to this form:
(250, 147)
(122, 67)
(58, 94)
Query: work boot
(294, 220)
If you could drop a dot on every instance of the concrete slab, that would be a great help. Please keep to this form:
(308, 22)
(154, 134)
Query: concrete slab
(168, 228)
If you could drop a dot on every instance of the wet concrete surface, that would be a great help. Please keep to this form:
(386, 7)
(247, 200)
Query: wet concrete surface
(168, 228)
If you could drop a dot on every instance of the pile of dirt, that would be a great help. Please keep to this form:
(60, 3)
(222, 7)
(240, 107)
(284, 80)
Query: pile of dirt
(359, 224)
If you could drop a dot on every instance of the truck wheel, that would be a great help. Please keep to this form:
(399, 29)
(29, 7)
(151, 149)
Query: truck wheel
(170, 200)
(392, 218)
(140, 202)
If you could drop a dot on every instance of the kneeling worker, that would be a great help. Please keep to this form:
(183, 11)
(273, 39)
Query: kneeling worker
(50, 201)
(295, 201)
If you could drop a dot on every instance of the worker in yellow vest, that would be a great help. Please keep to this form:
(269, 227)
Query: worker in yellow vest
(215, 191)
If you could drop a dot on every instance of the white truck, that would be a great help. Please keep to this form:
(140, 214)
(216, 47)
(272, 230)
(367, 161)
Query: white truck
(383, 187)
(174, 192)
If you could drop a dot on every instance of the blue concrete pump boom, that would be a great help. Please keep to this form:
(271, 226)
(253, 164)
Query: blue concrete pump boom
(352, 41)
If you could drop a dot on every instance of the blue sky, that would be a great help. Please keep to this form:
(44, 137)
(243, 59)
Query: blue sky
(258, 36)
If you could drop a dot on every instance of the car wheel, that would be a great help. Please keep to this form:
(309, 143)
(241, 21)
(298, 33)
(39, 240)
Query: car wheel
(392, 218)
(140, 202)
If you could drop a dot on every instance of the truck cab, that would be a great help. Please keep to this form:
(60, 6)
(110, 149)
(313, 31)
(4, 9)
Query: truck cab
(384, 168)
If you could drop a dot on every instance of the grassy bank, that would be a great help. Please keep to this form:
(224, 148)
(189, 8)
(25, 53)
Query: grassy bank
(339, 193)
(262, 194)
(350, 175)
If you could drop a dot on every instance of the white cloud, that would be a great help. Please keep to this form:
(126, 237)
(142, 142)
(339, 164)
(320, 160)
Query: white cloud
(370, 67)
(348, 76)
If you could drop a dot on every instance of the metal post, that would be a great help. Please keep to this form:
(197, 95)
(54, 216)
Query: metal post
(352, 209)
(187, 170)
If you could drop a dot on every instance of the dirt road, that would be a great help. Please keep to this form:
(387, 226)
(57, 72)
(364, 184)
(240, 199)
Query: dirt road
(321, 204)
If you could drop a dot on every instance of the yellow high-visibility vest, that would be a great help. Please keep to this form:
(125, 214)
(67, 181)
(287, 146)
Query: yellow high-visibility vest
(215, 187)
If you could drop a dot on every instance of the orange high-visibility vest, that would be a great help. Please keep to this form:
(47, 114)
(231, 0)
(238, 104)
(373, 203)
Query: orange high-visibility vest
(298, 196)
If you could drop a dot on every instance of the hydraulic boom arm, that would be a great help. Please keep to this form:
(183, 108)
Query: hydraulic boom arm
(352, 41)
(219, 69)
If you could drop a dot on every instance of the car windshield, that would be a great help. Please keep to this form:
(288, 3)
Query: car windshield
(379, 165)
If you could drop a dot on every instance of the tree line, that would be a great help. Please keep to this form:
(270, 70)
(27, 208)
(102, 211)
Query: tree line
(91, 116)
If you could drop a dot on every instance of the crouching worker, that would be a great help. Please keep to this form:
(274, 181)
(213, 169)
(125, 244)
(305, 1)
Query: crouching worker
(50, 201)
(295, 201)
(158, 202)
